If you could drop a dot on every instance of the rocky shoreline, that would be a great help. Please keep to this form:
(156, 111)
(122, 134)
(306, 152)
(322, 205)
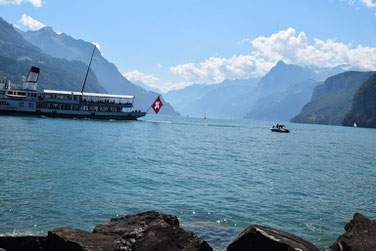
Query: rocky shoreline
(159, 232)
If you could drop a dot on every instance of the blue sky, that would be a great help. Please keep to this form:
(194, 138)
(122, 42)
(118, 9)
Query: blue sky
(173, 43)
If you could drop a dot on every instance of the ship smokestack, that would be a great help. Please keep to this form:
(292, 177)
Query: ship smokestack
(32, 79)
(33, 75)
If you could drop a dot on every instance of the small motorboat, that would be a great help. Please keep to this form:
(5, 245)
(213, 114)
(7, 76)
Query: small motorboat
(279, 128)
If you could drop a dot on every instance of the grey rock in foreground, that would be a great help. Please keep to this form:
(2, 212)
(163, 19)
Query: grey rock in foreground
(18, 243)
(260, 238)
(360, 235)
(151, 231)
(66, 239)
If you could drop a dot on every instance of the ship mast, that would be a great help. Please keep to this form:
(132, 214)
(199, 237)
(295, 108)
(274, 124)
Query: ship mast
(88, 69)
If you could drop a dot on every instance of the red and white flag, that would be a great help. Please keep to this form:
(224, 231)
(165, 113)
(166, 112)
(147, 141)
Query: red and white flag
(157, 105)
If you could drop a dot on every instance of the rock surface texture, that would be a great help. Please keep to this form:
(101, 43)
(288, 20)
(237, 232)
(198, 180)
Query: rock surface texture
(260, 238)
(360, 235)
(151, 231)
(64, 239)
(30, 243)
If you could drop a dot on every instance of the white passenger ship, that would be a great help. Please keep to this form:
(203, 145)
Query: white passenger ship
(24, 99)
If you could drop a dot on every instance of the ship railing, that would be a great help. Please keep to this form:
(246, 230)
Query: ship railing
(108, 102)
(89, 102)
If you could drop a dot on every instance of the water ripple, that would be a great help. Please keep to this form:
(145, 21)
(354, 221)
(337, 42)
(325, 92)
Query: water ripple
(217, 176)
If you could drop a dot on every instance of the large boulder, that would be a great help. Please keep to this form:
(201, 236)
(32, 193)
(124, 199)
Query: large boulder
(66, 239)
(360, 235)
(20, 243)
(260, 238)
(135, 225)
(150, 231)
(165, 238)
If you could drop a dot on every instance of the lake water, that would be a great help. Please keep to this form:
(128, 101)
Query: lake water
(217, 176)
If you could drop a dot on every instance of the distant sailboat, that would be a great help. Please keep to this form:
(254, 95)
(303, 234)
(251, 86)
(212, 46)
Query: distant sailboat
(355, 125)
(204, 114)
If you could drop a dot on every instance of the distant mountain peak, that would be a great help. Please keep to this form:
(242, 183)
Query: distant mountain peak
(281, 63)
(47, 29)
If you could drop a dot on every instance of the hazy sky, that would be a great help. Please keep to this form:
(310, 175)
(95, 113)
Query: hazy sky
(173, 43)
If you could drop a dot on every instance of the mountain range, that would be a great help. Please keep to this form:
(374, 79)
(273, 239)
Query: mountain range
(228, 99)
(18, 55)
(278, 96)
(286, 92)
(282, 92)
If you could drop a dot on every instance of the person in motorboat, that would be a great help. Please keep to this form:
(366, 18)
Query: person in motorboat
(279, 128)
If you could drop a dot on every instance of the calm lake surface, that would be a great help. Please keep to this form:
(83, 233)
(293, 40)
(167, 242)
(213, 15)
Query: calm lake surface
(217, 176)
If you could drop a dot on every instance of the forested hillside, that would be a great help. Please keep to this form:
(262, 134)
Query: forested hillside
(17, 56)
(363, 109)
(332, 100)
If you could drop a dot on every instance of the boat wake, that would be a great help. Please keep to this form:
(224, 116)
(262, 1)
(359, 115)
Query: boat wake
(191, 123)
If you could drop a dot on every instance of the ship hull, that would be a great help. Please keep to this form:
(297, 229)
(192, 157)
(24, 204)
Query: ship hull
(125, 116)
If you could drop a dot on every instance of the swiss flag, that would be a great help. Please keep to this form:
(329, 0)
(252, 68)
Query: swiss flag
(157, 105)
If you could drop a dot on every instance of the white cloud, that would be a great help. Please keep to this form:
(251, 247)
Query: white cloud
(160, 65)
(139, 76)
(286, 45)
(245, 41)
(154, 82)
(297, 49)
(369, 3)
(36, 3)
(217, 69)
(31, 23)
(98, 46)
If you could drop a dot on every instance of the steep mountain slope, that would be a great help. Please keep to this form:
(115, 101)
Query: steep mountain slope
(282, 76)
(18, 55)
(229, 99)
(62, 45)
(283, 105)
(363, 109)
(331, 100)
(282, 92)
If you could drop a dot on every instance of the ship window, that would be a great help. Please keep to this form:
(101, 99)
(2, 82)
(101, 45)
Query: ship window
(10, 92)
(22, 93)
